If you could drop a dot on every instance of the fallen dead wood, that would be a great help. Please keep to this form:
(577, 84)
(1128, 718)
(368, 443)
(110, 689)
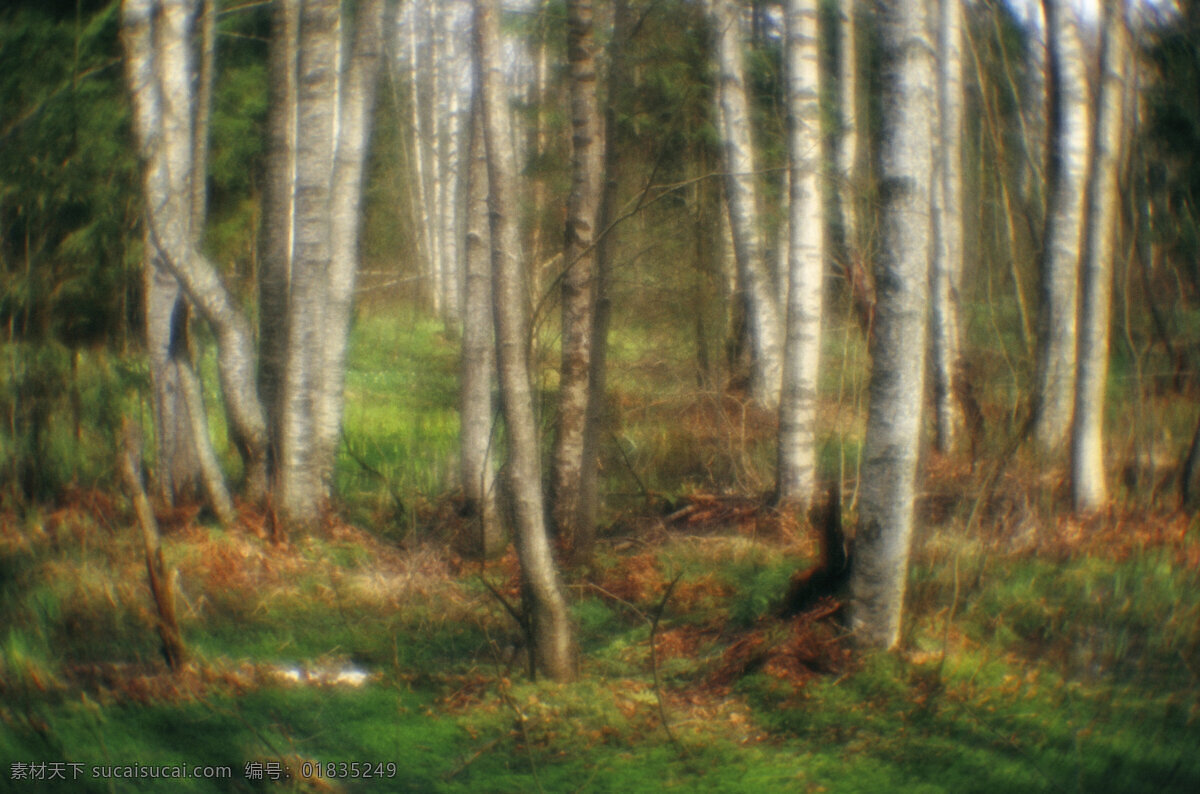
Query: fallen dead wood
(160, 583)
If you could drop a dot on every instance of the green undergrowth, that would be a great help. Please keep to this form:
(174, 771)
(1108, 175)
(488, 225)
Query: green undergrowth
(1020, 671)
(1039, 653)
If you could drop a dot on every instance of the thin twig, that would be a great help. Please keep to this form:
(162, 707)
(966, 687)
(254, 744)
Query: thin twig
(662, 708)
(376, 473)
(516, 614)
(629, 465)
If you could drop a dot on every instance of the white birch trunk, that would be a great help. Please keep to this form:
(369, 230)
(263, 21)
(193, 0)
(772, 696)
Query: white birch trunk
(300, 489)
(427, 79)
(848, 139)
(762, 315)
(1057, 343)
(806, 259)
(1089, 489)
(549, 621)
(902, 282)
(449, 154)
(946, 277)
(418, 52)
(478, 353)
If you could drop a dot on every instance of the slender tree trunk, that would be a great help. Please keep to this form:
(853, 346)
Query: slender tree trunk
(549, 621)
(806, 259)
(849, 140)
(578, 287)
(1055, 387)
(946, 278)
(589, 487)
(478, 353)
(210, 468)
(1088, 487)
(761, 308)
(278, 213)
(301, 493)
(418, 52)
(427, 73)
(450, 156)
(539, 97)
(206, 21)
(902, 283)
(352, 142)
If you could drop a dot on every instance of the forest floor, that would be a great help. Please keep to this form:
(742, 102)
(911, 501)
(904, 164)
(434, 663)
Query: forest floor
(1062, 659)
(1040, 652)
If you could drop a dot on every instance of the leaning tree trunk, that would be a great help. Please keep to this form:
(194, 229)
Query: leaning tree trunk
(762, 314)
(548, 619)
(1055, 386)
(161, 588)
(478, 353)
(897, 373)
(946, 276)
(578, 287)
(162, 100)
(806, 258)
(149, 50)
(173, 143)
(177, 467)
(1088, 488)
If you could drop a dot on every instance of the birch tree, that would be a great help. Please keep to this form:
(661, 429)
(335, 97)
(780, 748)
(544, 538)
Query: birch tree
(806, 257)
(548, 620)
(451, 151)
(478, 351)
(415, 36)
(335, 98)
(578, 287)
(897, 373)
(434, 56)
(1055, 386)
(1089, 489)
(356, 106)
(849, 140)
(946, 275)
(762, 314)
(278, 211)
(172, 137)
(300, 491)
